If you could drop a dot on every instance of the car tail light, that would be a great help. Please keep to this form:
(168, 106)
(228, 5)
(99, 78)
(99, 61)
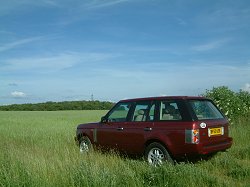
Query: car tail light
(192, 136)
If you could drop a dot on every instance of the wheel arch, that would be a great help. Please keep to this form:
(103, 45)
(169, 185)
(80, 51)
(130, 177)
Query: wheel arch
(80, 135)
(148, 142)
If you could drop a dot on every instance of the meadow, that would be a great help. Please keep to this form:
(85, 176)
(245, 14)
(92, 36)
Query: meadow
(38, 149)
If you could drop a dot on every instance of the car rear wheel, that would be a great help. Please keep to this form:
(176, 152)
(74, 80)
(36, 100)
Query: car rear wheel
(156, 154)
(85, 144)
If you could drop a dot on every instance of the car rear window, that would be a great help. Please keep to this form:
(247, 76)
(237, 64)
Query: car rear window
(205, 109)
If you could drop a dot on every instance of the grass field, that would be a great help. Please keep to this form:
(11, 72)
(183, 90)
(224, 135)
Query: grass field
(37, 149)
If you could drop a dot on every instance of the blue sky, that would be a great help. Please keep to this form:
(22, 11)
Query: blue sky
(57, 50)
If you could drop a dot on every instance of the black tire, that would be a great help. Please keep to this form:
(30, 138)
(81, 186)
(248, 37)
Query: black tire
(156, 154)
(85, 144)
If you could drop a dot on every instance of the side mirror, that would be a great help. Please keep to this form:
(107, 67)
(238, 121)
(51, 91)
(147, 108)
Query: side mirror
(103, 119)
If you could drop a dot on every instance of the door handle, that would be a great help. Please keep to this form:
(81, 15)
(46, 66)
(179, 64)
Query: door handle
(148, 129)
(120, 129)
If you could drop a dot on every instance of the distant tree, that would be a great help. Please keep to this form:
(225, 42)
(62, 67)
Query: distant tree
(65, 105)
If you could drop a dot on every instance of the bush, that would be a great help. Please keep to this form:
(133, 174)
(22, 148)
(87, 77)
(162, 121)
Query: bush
(232, 104)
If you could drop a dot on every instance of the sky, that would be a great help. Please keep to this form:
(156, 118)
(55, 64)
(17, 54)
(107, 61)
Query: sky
(66, 50)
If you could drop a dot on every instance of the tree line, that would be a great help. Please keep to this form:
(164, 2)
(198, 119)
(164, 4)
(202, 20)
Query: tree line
(65, 105)
(233, 104)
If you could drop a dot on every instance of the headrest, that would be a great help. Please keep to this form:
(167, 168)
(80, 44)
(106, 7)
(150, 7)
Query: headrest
(140, 112)
(170, 109)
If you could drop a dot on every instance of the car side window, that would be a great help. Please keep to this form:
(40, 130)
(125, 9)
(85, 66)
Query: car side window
(144, 112)
(119, 113)
(169, 111)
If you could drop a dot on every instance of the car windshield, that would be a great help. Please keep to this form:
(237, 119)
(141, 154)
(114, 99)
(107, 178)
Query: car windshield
(205, 109)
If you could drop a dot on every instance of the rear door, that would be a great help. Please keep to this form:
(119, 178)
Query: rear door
(172, 120)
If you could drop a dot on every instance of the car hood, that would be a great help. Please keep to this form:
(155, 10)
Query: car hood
(88, 125)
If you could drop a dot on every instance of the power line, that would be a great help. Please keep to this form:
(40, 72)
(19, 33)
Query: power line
(92, 97)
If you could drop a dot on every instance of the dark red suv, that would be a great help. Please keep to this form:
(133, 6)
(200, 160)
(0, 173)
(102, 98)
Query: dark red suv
(161, 128)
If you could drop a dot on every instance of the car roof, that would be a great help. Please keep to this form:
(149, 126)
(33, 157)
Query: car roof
(165, 97)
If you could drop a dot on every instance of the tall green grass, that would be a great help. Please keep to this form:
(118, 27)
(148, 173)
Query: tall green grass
(38, 149)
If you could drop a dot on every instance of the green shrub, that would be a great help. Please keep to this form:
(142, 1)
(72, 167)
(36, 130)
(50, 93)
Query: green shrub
(232, 104)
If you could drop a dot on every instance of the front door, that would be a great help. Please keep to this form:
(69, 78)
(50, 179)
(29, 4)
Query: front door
(109, 132)
(127, 126)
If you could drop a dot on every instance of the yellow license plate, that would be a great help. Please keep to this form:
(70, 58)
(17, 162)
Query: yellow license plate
(215, 131)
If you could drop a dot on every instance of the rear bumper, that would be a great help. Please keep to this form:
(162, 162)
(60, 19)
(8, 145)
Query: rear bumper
(214, 147)
(204, 149)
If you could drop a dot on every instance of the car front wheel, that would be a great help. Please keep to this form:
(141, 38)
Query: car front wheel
(85, 144)
(156, 154)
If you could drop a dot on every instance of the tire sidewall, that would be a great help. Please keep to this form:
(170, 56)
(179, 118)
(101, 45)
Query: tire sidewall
(167, 157)
(87, 141)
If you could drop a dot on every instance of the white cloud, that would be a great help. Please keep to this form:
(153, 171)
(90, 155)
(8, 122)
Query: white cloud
(181, 21)
(17, 43)
(210, 45)
(70, 11)
(11, 6)
(227, 16)
(246, 87)
(13, 84)
(17, 94)
(8, 7)
(103, 3)
(54, 63)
